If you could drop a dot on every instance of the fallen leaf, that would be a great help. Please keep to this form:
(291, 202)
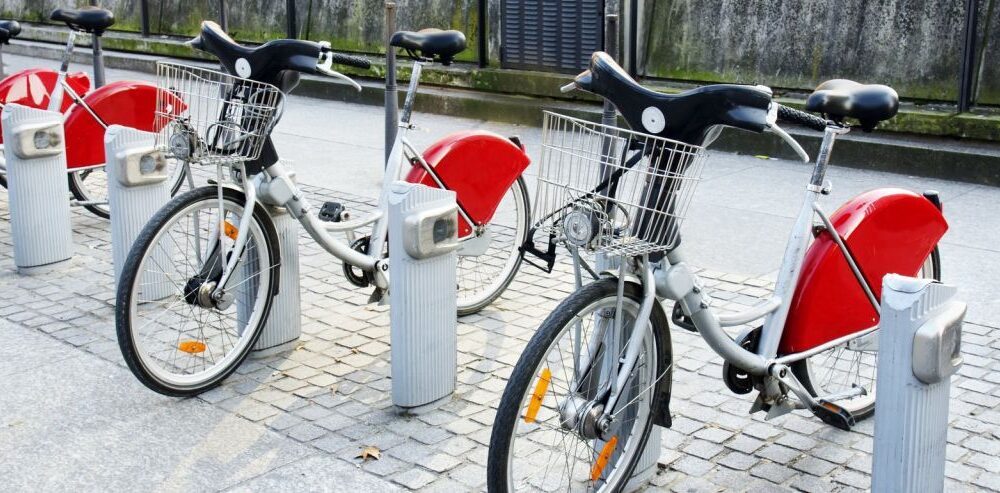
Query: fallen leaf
(762, 156)
(369, 452)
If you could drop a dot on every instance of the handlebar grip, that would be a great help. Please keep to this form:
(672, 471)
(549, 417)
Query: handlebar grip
(793, 115)
(353, 61)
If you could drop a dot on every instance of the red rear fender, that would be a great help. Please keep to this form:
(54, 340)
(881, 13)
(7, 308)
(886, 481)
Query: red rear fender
(479, 166)
(126, 103)
(33, 87)
(887, 230)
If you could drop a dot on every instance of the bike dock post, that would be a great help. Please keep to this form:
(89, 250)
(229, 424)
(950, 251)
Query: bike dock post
(920, 338)
(423, 239)
(284, 322)
(137, 188)
(35, 151)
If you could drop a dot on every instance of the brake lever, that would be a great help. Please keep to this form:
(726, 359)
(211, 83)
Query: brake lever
(326, 68)
(774, 128)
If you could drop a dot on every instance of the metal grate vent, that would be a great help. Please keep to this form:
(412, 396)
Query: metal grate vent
(551, 35)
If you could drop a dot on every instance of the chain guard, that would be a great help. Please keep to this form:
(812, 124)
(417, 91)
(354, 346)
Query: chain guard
(737, 379)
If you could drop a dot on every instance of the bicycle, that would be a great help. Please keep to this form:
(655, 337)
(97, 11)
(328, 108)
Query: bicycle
(199, 280)
(88, 113)
(596, 376)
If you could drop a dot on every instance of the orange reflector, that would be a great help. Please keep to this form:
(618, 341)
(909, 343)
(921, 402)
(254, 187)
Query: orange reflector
(538, 395)
(602, 460)
(230, 230)
(192, 347)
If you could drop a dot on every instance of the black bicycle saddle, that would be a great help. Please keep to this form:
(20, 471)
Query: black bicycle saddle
(431, 43)
(687, 116)
(868, 103)
(10, 29)
(88, 19)
(275, 62)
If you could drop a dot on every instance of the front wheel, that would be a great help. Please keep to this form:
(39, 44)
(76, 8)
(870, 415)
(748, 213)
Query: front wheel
(175, 336)
(544, 434)
(487, 264)
(847, 367)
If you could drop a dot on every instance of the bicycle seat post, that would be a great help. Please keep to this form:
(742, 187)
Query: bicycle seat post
(411, 93)
(55, 101)
(816, 183)
(98, 54)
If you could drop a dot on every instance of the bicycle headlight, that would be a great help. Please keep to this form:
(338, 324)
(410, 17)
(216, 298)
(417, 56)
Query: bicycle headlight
(581, 227)
(179, 145)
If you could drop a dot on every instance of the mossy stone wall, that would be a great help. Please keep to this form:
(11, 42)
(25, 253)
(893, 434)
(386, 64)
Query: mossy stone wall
(913, 45)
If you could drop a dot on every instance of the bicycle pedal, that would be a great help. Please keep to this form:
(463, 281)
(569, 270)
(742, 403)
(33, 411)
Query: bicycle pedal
(332, 212)
(679, 319)
(834, 415)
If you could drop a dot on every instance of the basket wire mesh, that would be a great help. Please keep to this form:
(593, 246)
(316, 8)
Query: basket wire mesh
(210, 117)
(611, 189)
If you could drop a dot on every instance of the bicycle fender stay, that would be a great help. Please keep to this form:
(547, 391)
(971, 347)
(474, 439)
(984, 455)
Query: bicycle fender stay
(33, 87)
(479, 166)
(887, 230)
(127, 103)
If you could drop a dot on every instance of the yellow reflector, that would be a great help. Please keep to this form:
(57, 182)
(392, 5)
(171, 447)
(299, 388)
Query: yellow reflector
(192, 347)
(602, 460)
(538, 395)
(230, 230)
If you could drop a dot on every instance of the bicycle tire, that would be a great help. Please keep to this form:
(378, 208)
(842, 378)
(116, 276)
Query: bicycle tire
(802, 371)
(131, 273)
(81, 194)
(511, 403)
(523, 203)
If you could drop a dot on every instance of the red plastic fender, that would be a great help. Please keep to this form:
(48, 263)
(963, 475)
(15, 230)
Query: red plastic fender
(887, 230)
(32, 88)
(126, 103)
(479, 166)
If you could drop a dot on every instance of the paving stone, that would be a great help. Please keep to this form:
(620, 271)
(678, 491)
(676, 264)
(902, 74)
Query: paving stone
(414, 478)
(772, 472)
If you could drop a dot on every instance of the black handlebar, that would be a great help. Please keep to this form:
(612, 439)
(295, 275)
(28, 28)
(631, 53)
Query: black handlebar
(353, 61)
(793, 115)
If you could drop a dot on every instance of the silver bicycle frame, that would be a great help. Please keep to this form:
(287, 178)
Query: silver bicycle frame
(299, 207)
(673, 280)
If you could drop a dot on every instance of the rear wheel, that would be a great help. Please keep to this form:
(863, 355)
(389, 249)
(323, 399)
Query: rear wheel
(175, 337)
(543, 434)
(487, 264)
(90, 186)
(847, 367)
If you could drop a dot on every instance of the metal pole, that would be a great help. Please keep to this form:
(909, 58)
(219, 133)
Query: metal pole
(223, 18)
(144, 17)
(610, 47)
(484, 40)
(966, 78)
(291, 19)
(391, 97)
(633, 38)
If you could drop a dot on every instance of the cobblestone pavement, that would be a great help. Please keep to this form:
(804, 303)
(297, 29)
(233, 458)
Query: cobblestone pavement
(331, 393)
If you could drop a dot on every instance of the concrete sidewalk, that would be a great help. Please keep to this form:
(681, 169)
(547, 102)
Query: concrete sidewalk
(73, 418)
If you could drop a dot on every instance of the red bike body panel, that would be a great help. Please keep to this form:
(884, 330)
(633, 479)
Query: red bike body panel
(127, 103)
(33, 87)
(887, 231)
(479, 166)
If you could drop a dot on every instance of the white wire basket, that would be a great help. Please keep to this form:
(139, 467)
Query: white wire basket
(613, 190)
(209, 117)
